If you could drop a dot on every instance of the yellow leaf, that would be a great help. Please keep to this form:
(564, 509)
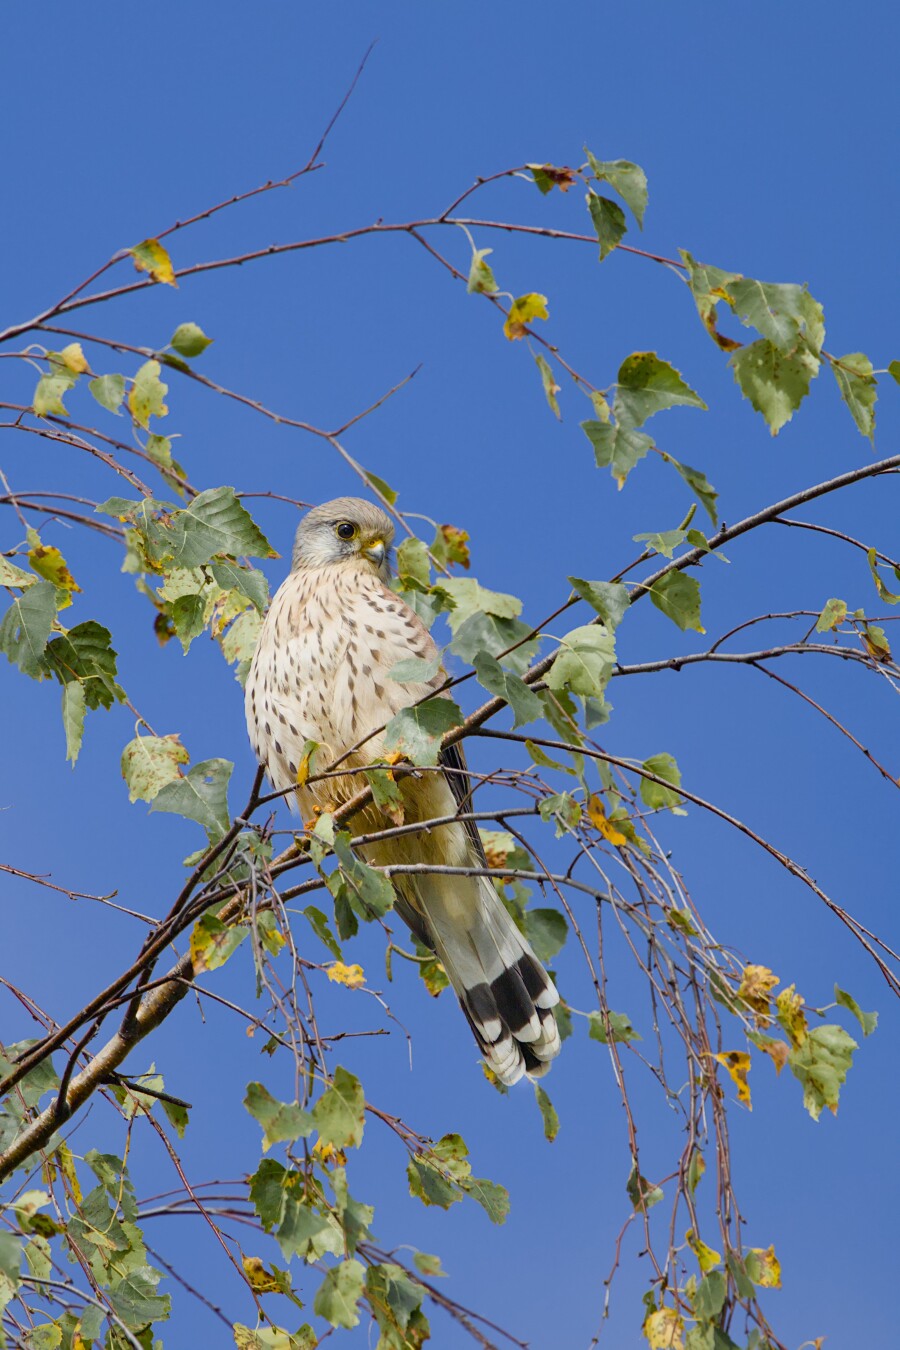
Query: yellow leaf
(875, 643)
(67, 1167)
(456, 542)
(766, 1269)
(522, 311)
(737, 1062)
(309, 749)
(145, 398)
(258, 1277)
(597, 817)
(663, 1330)
(74, 358)
(776, 1050)
(150, 256)
(351, 976)
(707, 1259)
(327, 1153)
(50, 564)
(757, 982)
(789, 1010)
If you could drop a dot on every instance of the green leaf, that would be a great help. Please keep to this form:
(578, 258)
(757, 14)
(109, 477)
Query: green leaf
(215, 522)
(678, 596)
(548, 1113)
(619, 1025)
(647, 385)
(239, 641)
(353, 1216)
(267, 1191)
(189, 618)
(708, 286)
(628, 179)
(700, 484)
(546, 930)
(773, 309)
(775, 383)
(413, 564)
(883, 593)
(26, 626)
(387, 795)
(145, 398)
(149, 763)
(85, 654)
(109, 391)
(134, 1298)
(468, 597)
(551, 388)
(832, 616)
(641, 1193)
(821, 1063)
(665, 542)
(394, 1298)
(493, 1198)
(370, 892)
(279, 1120)
(339, 1114)
(73, 711)
(415, 670)
(608, 220)
(894, 369)
(709, 1299)
(858, 388)
(11, 575)
(488, 633)
(189, 340)
(562, 809)
(654, 795)
(48, 397)
(609, 598)
(429, 1185)
(616, 448)
(382, 488)
(584, 662)
(248, 581)
(202, 795)
(481, 278)
(867, 1021)
(417, 732)
(524, 702)
(339, 1294)
(428, 1265)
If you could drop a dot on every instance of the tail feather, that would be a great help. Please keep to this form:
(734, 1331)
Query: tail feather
(504, 991)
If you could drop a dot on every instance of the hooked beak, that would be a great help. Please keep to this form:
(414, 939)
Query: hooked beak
(376, 551)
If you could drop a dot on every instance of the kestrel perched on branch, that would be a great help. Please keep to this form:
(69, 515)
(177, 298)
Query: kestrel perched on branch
(320, 674)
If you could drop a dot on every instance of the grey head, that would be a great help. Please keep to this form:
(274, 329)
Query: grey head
(344, 531)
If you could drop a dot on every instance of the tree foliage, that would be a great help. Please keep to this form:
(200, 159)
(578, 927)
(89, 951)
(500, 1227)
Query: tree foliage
(312, 1261)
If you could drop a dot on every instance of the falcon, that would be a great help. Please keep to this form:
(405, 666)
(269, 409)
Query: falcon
(321, 674)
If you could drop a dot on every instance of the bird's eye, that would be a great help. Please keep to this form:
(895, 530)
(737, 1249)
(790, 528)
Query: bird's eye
(346, 530)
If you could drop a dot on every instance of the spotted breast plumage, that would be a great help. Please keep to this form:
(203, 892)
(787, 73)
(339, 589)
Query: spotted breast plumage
(320, 674)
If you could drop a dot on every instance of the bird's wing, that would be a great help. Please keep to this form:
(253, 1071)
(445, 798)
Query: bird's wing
(453, 759)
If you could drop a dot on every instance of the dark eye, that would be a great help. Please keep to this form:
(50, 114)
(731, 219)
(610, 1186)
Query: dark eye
(346, 530)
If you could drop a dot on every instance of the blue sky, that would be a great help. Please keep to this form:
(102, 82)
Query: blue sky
(766, 135)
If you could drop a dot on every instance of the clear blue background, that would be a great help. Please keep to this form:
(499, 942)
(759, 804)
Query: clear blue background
(767, 134)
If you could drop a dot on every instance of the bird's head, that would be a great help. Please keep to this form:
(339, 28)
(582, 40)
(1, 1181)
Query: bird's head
(345, 530)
